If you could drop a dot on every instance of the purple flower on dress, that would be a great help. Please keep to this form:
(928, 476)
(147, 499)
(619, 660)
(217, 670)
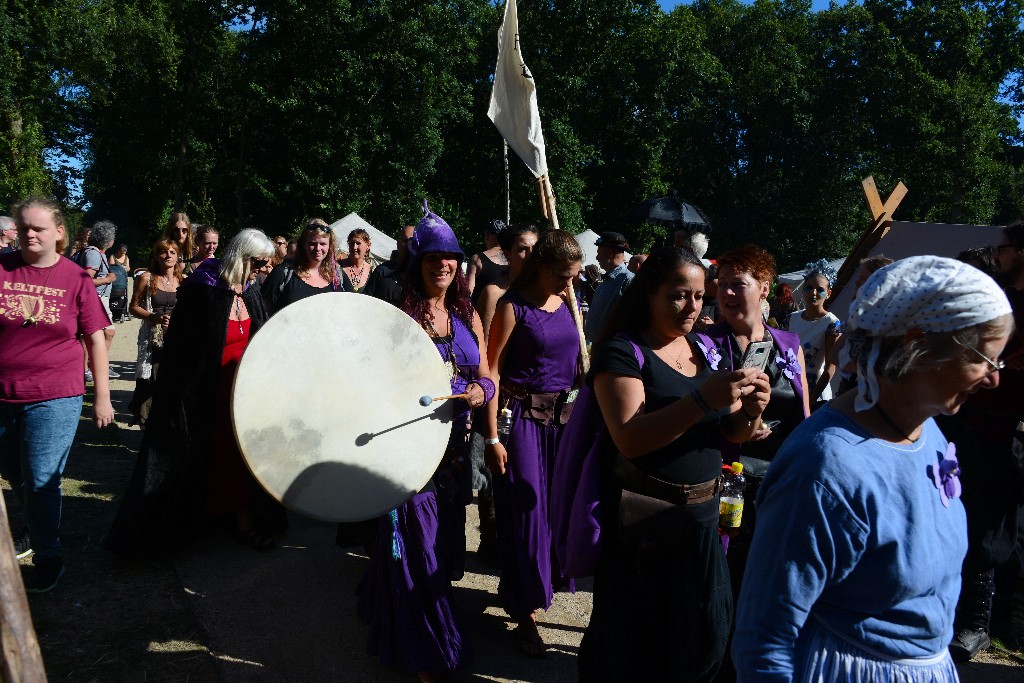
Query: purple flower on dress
(946, 476)
(714, 358)
(790, 365)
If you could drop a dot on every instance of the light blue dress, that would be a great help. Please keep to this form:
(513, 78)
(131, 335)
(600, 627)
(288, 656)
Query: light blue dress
(854, 572)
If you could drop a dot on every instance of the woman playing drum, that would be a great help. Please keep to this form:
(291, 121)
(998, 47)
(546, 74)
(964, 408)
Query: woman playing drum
(406, 597)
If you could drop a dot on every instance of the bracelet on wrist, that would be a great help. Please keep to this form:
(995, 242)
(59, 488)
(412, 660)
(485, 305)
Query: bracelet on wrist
(700, 401)
(491, 442)
(750, 418)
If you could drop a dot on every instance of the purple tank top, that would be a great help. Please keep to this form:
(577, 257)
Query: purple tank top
(542, 352)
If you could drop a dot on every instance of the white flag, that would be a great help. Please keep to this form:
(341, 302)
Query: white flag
(514, 97)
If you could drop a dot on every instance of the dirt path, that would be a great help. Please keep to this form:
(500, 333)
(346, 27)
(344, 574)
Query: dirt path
(223, 612)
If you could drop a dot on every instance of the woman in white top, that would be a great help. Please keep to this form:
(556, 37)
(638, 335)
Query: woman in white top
(817, 328)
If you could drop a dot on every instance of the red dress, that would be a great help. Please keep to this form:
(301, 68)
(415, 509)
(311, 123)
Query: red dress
(229, 475)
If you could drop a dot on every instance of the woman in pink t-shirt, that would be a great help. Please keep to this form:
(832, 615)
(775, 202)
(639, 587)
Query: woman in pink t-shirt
(46, 301)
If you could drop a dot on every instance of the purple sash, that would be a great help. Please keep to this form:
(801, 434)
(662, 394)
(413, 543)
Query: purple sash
(788, 344)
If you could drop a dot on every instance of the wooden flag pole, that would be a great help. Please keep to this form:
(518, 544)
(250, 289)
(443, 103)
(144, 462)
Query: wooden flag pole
(547, 205)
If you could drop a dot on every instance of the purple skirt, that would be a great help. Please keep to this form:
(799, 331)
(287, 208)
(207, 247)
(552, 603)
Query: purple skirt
(408, 601)
(529, 571)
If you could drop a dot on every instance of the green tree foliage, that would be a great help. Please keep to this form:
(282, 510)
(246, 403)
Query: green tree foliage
(42, 44)
(766, 115)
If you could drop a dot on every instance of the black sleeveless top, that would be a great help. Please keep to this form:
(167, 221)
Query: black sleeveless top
(488, 273)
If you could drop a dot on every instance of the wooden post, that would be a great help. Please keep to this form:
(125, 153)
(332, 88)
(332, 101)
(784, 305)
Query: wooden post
(543, 197)
(21, 660)
(547, 200)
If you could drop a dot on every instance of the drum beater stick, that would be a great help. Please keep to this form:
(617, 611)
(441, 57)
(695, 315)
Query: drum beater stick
(425, 400)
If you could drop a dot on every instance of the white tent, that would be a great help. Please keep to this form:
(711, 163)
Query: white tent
(914, 239)
(381, 245)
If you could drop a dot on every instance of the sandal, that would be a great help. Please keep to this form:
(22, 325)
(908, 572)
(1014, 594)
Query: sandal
(256, 540)
(530, 644)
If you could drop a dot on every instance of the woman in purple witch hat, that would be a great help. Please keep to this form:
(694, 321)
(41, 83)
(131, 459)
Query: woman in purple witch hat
(533, 348)
(406, 594)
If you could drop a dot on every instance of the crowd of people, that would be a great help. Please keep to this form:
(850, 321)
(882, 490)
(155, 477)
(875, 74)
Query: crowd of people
(863, 553)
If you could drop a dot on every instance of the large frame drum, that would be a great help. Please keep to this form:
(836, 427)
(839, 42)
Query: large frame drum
(326, 409)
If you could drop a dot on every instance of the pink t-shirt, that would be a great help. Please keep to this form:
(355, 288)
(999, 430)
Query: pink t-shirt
(43, 361)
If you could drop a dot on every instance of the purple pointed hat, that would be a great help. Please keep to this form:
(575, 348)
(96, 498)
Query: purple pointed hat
(432, 234)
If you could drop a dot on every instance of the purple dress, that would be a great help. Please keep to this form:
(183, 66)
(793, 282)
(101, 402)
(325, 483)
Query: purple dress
(541, 356)
(406, 594)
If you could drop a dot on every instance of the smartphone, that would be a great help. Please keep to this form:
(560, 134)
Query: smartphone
(757, 355)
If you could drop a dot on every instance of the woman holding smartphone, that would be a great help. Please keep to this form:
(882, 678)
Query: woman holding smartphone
(744, 277)
(662, 601)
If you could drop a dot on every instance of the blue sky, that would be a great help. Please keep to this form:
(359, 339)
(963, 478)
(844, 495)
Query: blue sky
(816, 4)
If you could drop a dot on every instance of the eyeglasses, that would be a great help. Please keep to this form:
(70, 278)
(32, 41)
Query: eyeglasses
(996, 365)
(258, 263)
(812, 288)
(280, 244)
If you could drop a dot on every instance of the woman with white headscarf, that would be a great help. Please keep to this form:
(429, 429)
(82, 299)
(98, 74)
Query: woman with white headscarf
(855, 570)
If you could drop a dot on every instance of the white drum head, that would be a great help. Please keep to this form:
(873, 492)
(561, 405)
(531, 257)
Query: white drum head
(326, 407)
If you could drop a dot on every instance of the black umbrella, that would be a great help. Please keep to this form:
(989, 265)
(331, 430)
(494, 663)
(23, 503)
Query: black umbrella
(672, 212)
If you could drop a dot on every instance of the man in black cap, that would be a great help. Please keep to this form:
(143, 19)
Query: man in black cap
(611, 255)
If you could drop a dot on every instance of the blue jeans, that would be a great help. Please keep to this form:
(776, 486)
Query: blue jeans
(35, 439)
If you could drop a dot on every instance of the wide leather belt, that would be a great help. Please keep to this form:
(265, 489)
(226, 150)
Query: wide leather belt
(636, 480)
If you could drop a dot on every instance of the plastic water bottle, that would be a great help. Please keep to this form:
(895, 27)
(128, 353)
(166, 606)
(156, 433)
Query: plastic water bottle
(730, 510)
(504, 425)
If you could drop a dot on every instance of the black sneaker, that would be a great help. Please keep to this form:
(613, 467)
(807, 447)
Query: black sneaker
(43, 576)
(22, 546)
(967, 643)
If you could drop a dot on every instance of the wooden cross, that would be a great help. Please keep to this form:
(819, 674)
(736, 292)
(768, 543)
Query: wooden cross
(881, 221)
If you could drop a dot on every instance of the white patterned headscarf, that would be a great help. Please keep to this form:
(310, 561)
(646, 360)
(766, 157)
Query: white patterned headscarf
(926, 293)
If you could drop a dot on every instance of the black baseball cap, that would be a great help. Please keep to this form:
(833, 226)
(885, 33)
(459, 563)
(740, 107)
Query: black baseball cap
(612, 239)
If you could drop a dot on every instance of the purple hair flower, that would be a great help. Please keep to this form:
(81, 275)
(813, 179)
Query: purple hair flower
(790, 365)
(946, 475)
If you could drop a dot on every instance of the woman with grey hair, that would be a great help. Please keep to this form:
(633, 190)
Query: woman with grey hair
(190, 466)
(855, 570)
(94, 260)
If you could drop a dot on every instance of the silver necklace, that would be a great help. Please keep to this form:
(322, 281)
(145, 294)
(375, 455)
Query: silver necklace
(449, 345)
(356, 276)
(679, 355)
